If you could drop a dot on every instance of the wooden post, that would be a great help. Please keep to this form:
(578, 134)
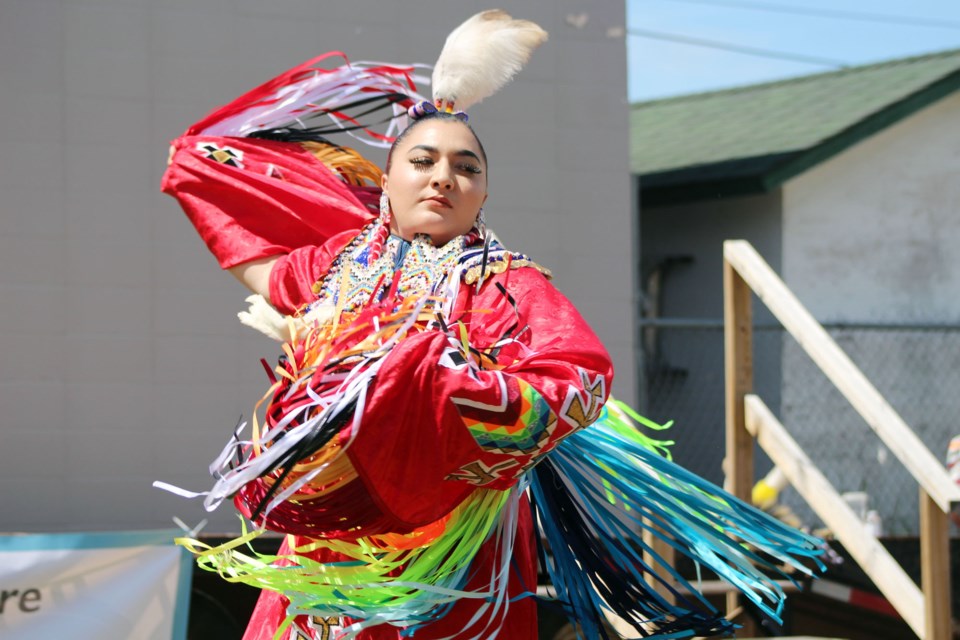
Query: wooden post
(935, 569)
(667, 554)
(738, 373)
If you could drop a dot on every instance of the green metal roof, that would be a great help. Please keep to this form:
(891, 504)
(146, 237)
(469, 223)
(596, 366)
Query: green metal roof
(752, 138)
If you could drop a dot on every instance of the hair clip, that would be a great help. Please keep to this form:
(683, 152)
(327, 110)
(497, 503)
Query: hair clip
(426, 108)
(421, 109)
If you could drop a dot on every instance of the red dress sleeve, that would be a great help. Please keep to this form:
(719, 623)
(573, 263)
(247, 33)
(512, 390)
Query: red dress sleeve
(251, 198)
(293, 275)
(474, 425)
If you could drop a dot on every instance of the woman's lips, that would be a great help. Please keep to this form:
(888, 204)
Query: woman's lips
(439, 200)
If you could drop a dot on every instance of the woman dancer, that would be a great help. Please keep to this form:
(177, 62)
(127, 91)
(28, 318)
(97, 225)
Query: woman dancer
(427, 371)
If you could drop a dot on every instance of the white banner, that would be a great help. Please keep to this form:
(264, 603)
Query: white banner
(103, 586)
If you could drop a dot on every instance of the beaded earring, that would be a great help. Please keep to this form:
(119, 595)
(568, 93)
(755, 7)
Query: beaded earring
(478, 232)
(383, 232)
(386, 215)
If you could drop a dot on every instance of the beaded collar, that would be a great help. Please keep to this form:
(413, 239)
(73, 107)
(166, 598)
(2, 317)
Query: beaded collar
(424, 267)
(353, 275)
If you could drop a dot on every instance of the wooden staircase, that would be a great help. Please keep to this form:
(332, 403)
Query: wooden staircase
(926, 609)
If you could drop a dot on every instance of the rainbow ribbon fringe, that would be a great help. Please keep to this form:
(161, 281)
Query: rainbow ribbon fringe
(403, 580)
(593, 497)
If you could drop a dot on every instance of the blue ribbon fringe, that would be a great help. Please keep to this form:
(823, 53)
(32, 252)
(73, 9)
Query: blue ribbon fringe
(595, 494)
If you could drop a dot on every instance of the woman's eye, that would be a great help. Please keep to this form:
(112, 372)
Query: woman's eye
(425, 163)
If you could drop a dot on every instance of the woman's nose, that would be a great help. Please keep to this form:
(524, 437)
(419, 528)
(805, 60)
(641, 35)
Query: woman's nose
(442, 177)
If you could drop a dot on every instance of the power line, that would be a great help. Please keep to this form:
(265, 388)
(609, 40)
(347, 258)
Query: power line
(831, 13)
(726, 46)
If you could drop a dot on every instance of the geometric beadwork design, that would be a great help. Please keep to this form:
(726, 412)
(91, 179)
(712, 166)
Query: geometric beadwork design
(222, 154)
(526, 435)
(479, 474)
(324, 628)
(585, 401)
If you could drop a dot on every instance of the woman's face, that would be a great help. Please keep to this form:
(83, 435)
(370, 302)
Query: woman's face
(437, 182)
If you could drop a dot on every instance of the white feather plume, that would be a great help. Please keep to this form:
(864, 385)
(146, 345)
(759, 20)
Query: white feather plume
(481, 55)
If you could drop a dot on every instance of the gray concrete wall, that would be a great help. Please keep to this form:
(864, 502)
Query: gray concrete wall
(121, 360)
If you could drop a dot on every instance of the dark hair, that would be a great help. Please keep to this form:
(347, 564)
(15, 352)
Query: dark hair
(443, 117)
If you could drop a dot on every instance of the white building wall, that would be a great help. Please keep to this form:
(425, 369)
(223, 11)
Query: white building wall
(871, 236)
(121, 360)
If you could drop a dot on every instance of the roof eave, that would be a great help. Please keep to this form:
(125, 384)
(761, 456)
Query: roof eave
(728, 179)
(699, 192)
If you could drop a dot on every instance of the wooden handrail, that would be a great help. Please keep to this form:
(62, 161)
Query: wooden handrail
(811, 484)
(928, 612)
(882, 418)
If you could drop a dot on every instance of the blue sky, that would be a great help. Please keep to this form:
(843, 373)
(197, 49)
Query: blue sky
(660, 68)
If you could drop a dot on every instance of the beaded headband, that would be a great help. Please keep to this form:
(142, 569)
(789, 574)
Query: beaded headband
(426, 108)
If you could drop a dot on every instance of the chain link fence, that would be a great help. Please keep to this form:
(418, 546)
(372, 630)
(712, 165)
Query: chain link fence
(916, 368)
